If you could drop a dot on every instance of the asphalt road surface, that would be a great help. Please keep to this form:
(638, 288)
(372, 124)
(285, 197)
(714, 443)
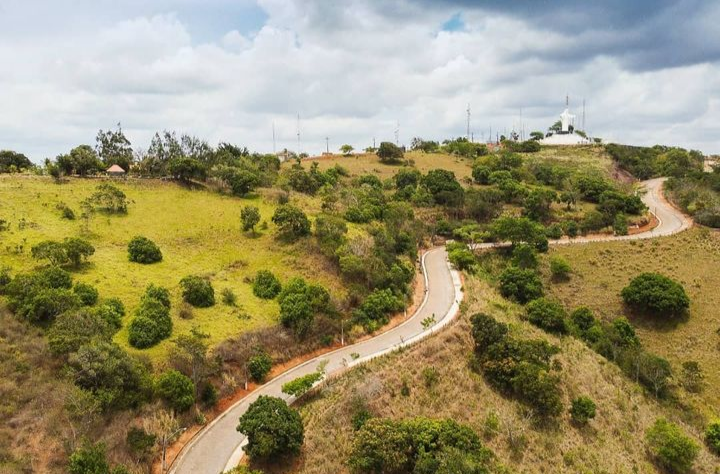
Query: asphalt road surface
(218, 446)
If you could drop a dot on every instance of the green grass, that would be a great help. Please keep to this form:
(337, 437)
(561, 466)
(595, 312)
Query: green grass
(198, 232)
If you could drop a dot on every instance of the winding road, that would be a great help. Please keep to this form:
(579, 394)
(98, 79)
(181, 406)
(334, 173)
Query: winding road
(218, 446)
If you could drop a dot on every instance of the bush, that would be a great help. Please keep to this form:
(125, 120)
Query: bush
(548, 315)
(582, 410)
(157, 293)
(300, 386)
(152, 321)
(299, 302)
(143, 250)
(140, 442)
(520, 285)
(671, 447)
(559, 268)
(197, 291)
(89, 459)
(554, 231)
(74, 329)
(209, 395)
(266, 285)
(524, 256)
(570, 228)
(273, 429)
(712, 436)
(653, 292)
(229, 298)
(373, 312)
(583, 320)
(259, 366)
(87, 294)
(486, 331)
(620, 225)
(249, 216)
(176, 389)
(462, 258)
(291, 221)
(389, 153)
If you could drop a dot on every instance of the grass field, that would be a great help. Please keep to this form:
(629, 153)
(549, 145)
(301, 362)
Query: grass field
(612, 443)
(601, 270)
(198, 232)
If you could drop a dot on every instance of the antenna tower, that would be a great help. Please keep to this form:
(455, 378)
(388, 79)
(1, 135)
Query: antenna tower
(468, 122)
(274, 142)
(298, 135)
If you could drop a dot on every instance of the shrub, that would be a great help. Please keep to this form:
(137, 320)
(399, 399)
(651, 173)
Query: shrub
(692, 379)
(249, 216)
(53, 252)
(89, 459)
(259, 366)
(520, 285)
(620, 225)
(524, 256)
(49, 303)
(74, 329)
(77, 250)
(570, 228)
(229, 298)
(291, 221)
(176, 389)
(712, 436)
(559, 268)
(157, 293)
(373, 312)
(671, 447)
(140, 442)
(143, 250)
(273, 429)
(87, 294)
(209, 395)
(583, 320)
(430, 376)
(266, 285)
(653, 292)
(554, 231)
(109, 198)
(5, 279)
(300, 386)
(582, 410)
(462, 258)
(143, 333)
(197, 291)
(389, 153)
(486, 331)
(547, 314)
(299, 302)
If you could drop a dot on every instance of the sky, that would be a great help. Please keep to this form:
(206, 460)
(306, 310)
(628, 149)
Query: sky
(355, 70)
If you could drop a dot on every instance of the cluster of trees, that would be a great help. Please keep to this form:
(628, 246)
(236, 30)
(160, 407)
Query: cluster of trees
(698, 194)
(418, 445)
(310, 182)
(14, 162)
(516, 366)
(71, 251)
(650, 162)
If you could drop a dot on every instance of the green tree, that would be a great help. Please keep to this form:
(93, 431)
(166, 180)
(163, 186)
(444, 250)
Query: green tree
(197, 291)
(559, 268)
(114, 148)
(259, 366)
(77, 250)
(186, 169)
(291, 221)
(548, 315)
(443, 187)
(74, 329)
(89, 459)
(109, 198)
(301, 385)
(518, 230)
(672, 448)
(177, 390)
(143, 250)
(582, 410)
(389, 153)
(273, 429)
(520, 285)
(656, 293)
(13, 161)
(712, 436)
(330, 232)
(347, 149)
(249, 216)
(266, 285)
(86, 293)
(54, 252)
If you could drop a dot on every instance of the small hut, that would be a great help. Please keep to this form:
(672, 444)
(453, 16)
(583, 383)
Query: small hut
(116, 171)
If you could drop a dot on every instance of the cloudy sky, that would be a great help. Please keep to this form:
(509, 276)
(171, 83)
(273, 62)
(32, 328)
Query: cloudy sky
(226, 70)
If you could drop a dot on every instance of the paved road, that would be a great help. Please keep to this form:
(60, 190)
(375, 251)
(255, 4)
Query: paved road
(219, 447)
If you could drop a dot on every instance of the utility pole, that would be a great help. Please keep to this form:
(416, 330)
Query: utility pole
(374, 147)
(397, 134)
(468, 122)
(522, 127)
(298, 135)
(327, 145)
(165, 439)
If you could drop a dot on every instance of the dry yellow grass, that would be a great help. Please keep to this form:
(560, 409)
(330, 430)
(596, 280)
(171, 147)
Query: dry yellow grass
(612, 443)
(600, 271)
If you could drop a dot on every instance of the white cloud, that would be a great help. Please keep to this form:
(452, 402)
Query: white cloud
(350, 69)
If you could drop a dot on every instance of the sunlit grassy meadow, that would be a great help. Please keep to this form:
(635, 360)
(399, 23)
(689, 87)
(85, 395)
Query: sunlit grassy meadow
(198, 232)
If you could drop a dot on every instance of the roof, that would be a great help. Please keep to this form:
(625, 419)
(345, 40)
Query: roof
(115, 169)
